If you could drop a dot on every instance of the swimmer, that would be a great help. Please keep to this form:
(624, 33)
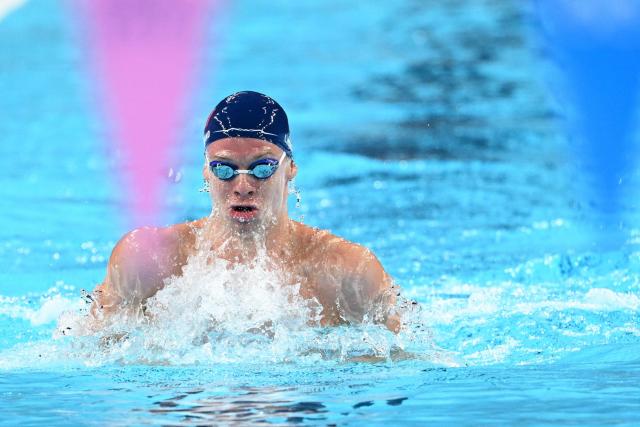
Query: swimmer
(248, 166)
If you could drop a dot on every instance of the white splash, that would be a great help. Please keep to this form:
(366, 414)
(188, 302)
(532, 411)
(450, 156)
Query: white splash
(218, 312)
(52, 305)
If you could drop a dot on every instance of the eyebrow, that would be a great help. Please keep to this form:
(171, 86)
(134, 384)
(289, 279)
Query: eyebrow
(224, 155)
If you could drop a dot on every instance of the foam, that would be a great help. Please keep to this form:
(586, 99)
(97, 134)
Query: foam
(218, 312)
(52, 306)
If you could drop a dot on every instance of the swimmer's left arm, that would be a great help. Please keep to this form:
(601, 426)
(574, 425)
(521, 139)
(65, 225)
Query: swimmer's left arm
(367, 288)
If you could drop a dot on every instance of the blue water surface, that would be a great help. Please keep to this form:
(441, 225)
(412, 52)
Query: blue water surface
(422, 130)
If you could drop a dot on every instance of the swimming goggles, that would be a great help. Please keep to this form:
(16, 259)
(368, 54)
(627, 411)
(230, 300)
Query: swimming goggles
(261, 169)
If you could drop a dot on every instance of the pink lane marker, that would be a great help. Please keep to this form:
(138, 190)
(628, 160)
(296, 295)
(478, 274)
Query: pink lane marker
(145, 53)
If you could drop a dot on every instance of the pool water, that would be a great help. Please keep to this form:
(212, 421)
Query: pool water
(425, 133)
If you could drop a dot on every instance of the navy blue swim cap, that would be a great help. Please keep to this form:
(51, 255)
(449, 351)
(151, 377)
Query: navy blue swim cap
(249, 114)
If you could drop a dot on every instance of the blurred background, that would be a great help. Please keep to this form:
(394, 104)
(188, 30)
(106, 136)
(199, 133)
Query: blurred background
(455, 137)
(485, 150)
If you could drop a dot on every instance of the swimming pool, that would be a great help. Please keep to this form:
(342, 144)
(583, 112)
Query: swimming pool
(447, 159)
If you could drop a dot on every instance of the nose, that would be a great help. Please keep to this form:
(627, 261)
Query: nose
(243, 187)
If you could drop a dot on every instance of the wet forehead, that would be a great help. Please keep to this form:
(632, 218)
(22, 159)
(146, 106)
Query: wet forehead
(241, 148)
(232, 154)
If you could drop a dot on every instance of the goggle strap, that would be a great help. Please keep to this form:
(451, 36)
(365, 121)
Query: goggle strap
(282, 157)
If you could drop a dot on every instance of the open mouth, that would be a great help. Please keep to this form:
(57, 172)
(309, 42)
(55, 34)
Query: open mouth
(243, 208)
(243, 213)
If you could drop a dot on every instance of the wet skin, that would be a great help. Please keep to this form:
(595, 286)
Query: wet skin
(248, 216)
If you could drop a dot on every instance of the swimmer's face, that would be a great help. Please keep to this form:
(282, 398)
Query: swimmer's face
(246, 199)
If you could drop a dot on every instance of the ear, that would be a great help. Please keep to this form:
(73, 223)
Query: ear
(292, 171)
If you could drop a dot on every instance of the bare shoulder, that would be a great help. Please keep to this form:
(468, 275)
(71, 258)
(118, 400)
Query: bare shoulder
(145, 248)
(144, 257)
(355, 267)
(336, 251)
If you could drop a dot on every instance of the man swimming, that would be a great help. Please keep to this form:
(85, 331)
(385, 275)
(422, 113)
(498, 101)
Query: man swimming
(248, 166)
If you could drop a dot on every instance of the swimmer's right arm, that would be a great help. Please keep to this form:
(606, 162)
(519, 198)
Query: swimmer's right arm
(134, 274)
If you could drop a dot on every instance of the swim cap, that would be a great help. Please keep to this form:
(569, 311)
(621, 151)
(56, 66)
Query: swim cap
(249, 114)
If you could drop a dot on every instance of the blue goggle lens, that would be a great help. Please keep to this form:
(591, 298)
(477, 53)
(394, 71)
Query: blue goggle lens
(264, 171)
(223, 172)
